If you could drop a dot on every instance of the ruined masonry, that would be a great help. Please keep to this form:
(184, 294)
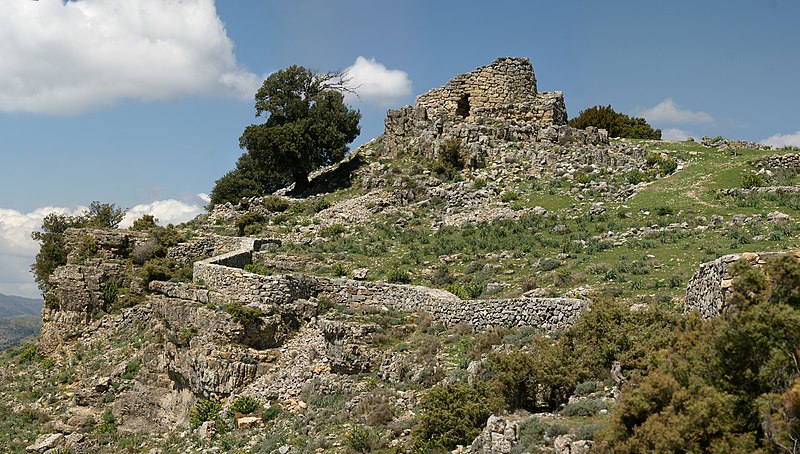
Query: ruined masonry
(708, 289)
(494, 103)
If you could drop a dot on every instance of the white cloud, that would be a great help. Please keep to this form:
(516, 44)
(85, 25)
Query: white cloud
(69, 57)
(374, 83)
(668, 112)
(18, 250)
(169, 211)
(783, 140)
(674, 134)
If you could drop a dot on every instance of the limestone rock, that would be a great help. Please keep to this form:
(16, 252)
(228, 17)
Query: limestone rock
(46, 442)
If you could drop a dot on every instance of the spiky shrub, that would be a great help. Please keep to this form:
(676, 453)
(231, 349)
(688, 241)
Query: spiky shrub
(244, 405)
(204, 410)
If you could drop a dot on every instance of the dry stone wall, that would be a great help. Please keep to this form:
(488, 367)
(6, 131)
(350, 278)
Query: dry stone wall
(224, 275)
(708, 289)
(786, 161)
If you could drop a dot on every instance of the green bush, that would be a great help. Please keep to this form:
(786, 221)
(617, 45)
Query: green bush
(244, 315)
(250, 221)
(244, 405)
(320, 205)
(509, 196)
(531, 435)
(617, 124)
(204, 410)
(449, 163)
(398, 276)
(752, 180)
(455, 414)
(588, 387)
(165, 269)
(27, 355)
(331, 230)
(275, 204)
(144, 223)
(359, 440)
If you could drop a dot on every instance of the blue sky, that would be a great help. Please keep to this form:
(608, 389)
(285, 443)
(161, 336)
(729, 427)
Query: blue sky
(141, 102)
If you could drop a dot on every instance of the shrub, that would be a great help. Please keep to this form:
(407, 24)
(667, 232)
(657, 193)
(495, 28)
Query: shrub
(548, 264)
(270, 413)
(244, 315)
(338, 270)
(449, 162)
(87, 248)
(556, 429)
(509, 196)
(465, 291)
(455, 414)
(204, 410)
(398, 276)
(320, 205)
(617, 124)
(275, 204)
(752, 180)
(358, 439)
(331, 230)
(27, 355)
(588, 387)
(131, 369)
(164, 269)
(250, 220)
(531, 435)
(587, 431)
(110, 293)
(479, 183)
(144, 223)
(244, 405)
(108, 423)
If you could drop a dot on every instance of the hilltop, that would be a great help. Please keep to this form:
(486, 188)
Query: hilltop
(482, 274)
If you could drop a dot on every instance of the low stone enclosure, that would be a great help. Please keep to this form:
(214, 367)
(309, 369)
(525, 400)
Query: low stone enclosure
(498, 102)
(225, 274)
(708, 289)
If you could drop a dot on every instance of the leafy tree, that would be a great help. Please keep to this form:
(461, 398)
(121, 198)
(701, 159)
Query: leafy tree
(617, 124)
(308, 126)
(144, 223)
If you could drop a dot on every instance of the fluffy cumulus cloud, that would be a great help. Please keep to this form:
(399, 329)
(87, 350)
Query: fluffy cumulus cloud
(18, 250)
(169, 211)
(783, 140)
(668, 112)
(68, 57)
(374, 83)
(674, 134)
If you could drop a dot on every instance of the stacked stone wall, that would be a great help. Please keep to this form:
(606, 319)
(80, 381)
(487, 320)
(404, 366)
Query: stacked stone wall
(224, 275)
(707, 292)
(786, 161)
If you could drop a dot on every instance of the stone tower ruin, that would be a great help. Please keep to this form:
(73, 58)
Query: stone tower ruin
(495, 102)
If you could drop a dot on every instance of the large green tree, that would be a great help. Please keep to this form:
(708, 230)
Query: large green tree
(307, 126)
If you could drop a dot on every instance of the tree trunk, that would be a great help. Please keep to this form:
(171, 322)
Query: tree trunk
(300, 182)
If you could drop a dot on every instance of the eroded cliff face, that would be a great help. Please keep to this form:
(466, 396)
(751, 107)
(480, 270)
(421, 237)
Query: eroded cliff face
(149, 354)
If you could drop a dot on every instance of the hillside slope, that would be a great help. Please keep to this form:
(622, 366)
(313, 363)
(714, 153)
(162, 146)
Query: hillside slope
(488, 278)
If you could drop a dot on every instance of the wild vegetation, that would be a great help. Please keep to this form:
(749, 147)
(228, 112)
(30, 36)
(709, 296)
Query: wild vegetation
(617, 124)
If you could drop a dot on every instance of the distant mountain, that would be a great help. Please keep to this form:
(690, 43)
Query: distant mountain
(17, 306)
(15, 329)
